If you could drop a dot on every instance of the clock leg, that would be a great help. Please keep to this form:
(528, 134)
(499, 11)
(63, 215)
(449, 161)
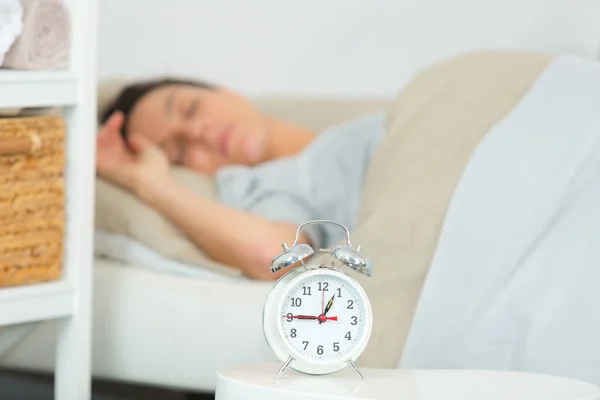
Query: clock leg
(285, 366)
(356, 371)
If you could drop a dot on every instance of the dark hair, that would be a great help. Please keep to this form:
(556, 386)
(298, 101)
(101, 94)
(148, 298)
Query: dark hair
(131, 94)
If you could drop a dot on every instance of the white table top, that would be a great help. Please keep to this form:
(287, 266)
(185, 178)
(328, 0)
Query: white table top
(259, 382)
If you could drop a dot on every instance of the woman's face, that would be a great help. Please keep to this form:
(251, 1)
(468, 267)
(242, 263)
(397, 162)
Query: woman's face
(200, 128)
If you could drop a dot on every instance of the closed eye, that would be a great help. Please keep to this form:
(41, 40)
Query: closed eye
(192, 108)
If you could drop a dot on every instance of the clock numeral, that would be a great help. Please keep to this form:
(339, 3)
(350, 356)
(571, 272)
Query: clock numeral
(296, 301)
(336, 346)
(323, 286)
(320, 350)
(350, 305)
(290, 317)
(305, 343)
(293, 333)
(306, 290)
(339, 290)
(354, 320)
(348, 336)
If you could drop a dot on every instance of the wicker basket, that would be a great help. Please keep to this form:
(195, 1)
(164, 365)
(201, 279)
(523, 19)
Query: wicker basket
(32, 212)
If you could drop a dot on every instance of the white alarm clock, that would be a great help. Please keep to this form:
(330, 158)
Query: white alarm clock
(317, 319)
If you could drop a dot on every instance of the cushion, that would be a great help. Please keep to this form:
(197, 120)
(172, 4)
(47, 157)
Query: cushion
(119, 211)
(432, 130)
(319, 113)
(107, 90)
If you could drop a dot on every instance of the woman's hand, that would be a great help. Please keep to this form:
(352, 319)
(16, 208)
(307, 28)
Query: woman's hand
(146, 166)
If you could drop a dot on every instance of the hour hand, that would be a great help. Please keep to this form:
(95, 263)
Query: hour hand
(327, 307)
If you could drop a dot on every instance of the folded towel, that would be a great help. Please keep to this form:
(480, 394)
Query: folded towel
(11, 24)
(46, 39)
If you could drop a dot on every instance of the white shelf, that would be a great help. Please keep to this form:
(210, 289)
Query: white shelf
(37, 89)
(35, 302)
(69, 300)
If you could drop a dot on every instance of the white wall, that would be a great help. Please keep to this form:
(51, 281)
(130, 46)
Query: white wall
(327, 46)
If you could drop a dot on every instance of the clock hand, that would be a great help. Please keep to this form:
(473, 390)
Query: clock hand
(301, 316)
(329, 304)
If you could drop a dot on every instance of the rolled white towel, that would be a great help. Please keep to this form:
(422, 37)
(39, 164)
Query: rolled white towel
(46, 39)
(11, 24)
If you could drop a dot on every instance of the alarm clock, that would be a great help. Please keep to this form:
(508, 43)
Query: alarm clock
(317, 319)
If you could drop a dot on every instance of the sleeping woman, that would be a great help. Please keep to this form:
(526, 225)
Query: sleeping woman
(270, 175)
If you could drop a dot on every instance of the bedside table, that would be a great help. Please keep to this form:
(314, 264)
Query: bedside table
(258, 382)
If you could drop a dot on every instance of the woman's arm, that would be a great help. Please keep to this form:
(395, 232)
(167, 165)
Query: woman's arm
(232, 237)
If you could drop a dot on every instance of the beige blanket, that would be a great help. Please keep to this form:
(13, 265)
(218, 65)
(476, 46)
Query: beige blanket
(435, 124)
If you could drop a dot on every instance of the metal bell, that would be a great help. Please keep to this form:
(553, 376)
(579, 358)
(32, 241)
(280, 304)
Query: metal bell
(353, 259)
(291, 256)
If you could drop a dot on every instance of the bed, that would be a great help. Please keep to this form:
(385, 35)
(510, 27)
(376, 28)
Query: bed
(159, 328)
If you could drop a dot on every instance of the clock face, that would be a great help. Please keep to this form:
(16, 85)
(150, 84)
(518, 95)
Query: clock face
(323, 318)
